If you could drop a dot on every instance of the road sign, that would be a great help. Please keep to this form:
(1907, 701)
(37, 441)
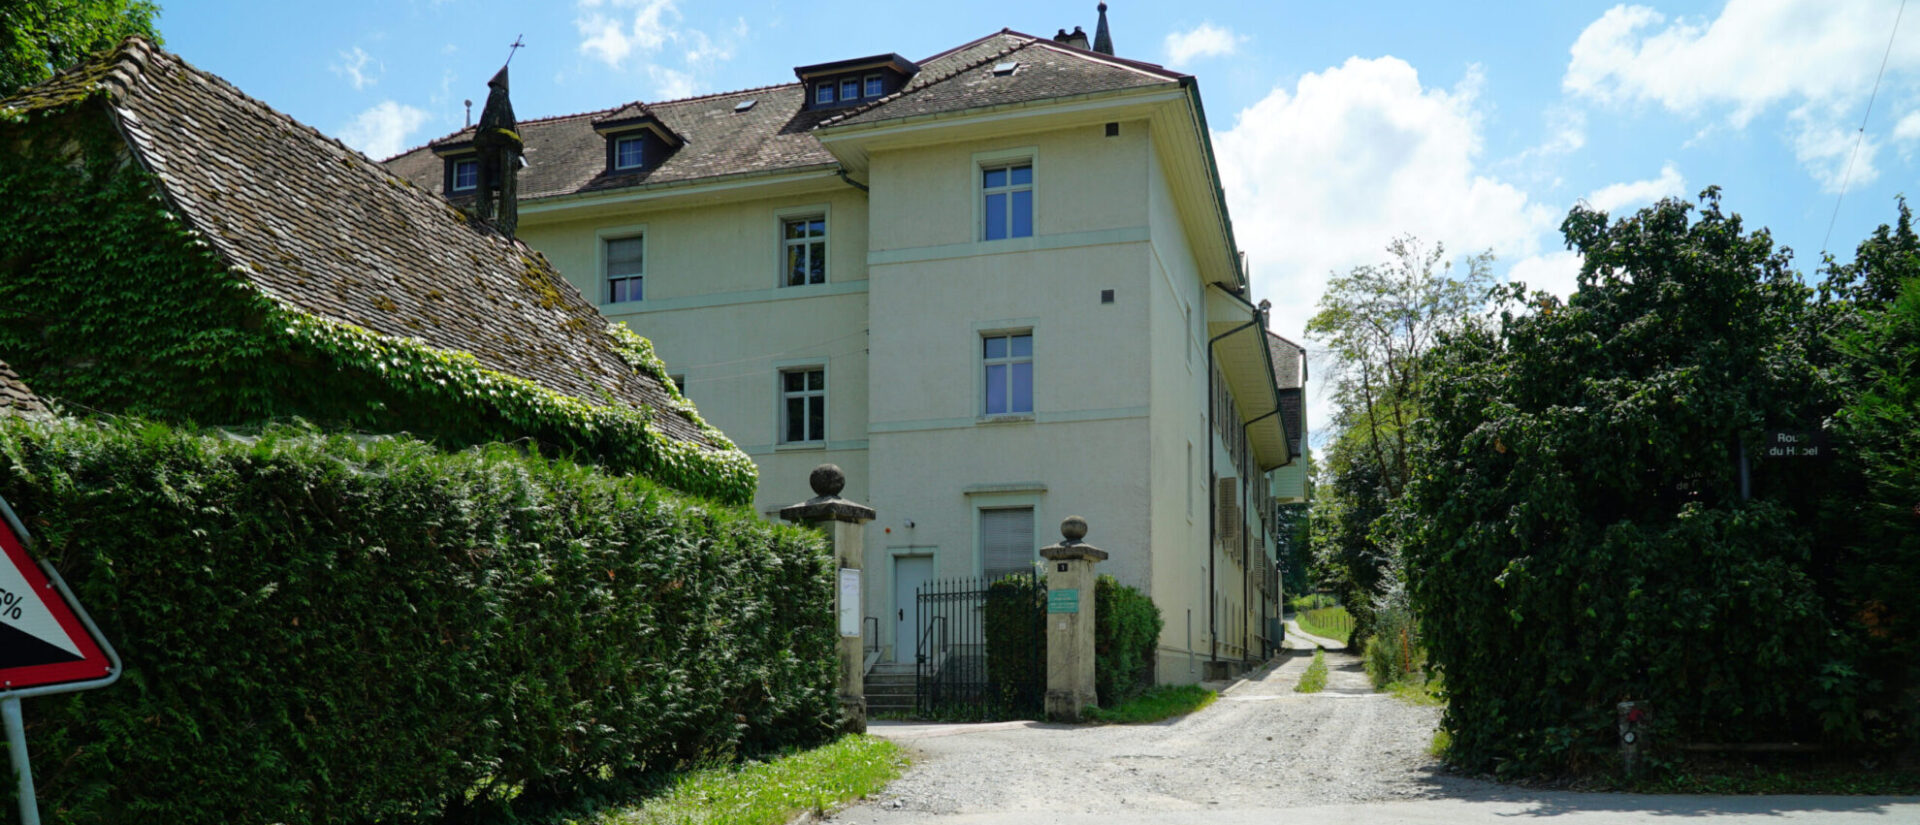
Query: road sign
(42, 641)
(1796, 444)
(48, 644)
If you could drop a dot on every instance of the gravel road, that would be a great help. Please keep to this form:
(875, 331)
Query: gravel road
(1259, 746)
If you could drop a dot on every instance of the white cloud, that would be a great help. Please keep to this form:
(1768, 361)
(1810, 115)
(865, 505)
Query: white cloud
(353, 66)
(613, 31)
(382, 131)
(1207, 40)
(1817, 55)
(1557, 272)
(1827, 149)
(1908, 128)
(1615, 197)
(1320, 177)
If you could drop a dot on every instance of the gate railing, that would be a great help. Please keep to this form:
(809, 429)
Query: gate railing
(981, 646)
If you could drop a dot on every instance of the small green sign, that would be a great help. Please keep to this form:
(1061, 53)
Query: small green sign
(1063, 601)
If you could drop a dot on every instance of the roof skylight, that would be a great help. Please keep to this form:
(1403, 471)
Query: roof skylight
(743, 105)
(1004, 69)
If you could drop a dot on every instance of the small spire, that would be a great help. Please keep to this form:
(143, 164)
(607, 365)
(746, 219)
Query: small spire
(1102, 39)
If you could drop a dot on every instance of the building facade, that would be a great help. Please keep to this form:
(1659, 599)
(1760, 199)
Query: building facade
(997, 287)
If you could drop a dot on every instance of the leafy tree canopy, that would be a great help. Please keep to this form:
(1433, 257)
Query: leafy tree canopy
(41, 37)
(1576, 527)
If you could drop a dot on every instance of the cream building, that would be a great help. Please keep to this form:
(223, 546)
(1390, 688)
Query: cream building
(988, 285)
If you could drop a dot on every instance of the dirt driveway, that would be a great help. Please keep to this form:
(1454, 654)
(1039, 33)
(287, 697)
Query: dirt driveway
(1263, 754)
(1259, 746)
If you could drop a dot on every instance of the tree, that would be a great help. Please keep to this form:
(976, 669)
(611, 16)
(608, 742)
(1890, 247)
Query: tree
(1576, 529)
(1378, 322)
(1870, 322)
(40, 37)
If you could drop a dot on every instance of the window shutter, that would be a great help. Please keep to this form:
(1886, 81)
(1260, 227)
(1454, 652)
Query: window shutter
(1229, 496)
(1006, 541)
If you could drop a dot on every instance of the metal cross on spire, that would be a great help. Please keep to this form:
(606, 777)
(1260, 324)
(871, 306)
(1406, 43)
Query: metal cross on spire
(515, 47)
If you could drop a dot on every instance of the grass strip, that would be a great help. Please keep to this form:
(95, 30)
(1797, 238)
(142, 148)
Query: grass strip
(771, 792)
(1418, 693)
(1163, 702)
(1327, 623)
(1315, 679)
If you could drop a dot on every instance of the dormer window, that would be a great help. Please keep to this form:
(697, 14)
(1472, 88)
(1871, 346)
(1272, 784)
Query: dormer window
(636, 139)
(629, 152)
(852, 82)
(466, 175)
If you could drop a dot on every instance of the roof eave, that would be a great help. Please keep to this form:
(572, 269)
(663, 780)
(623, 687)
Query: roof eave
(849, 142)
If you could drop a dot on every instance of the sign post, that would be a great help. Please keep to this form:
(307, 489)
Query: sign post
(48, 644)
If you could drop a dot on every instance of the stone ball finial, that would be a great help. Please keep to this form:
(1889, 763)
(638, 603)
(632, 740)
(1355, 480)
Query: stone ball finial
(827, 480)
(1073, 528)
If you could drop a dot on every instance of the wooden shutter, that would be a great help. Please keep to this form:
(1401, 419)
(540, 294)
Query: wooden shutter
(1006, 541)
(1228, 524)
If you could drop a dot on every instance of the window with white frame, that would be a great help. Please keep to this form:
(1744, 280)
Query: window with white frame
(629, 152)
(874, 85)
(803, 250)
(466, 175)
(626, 268)
(1008, 361)
(850, 89)
(823, 93)
(1007, 206)
(803, 405)
(1006, 541)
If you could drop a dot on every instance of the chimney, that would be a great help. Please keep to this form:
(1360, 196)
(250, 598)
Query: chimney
(1078, 39)
(497, 140)
(1102, 40)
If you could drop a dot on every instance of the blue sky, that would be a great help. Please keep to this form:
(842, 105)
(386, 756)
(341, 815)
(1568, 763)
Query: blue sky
(1338, 125)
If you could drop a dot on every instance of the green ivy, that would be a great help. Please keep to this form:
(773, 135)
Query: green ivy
(110, 302)
(332, 629)
(1127, 627)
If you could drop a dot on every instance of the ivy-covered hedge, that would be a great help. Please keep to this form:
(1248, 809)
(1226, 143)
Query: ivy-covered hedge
(330, 629)
(1127, 626)
(111, 302)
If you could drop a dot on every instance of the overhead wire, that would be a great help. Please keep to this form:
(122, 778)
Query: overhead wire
(1847, 178)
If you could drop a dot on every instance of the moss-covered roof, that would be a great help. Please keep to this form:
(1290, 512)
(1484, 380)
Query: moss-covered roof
(324, 230)
(16, 398)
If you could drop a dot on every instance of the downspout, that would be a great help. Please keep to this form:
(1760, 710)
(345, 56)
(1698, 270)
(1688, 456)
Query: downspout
(850, 181)
(1213, 505)
(1246, 541)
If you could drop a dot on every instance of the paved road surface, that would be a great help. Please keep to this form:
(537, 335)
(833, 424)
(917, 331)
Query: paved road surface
(1264, 754)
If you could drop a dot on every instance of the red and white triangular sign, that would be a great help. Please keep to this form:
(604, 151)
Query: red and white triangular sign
(42, 642)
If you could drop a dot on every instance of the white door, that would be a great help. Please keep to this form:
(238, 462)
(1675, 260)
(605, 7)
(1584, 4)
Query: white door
(910, 573)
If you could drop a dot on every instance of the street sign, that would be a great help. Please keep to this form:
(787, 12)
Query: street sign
(48, 644)
(42, 641)
(1796, 444)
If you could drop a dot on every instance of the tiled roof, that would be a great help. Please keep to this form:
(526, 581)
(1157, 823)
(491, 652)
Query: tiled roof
(1043, 70)
(1288, 370)
(565, 156)
(319, 227)
(16, 399)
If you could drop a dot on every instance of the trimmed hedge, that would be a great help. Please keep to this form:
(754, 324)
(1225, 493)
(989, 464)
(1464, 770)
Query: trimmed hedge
(1127, 627)
(327, 629)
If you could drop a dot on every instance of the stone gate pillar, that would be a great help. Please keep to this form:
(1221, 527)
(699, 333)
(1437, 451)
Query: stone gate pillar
(1070, 620)
(842, 520)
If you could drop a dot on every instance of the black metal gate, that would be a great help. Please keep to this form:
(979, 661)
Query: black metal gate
(982, 648)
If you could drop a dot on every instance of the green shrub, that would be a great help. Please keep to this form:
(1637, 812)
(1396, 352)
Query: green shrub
(325, 629)
(1016, 645)
(1127, 629)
